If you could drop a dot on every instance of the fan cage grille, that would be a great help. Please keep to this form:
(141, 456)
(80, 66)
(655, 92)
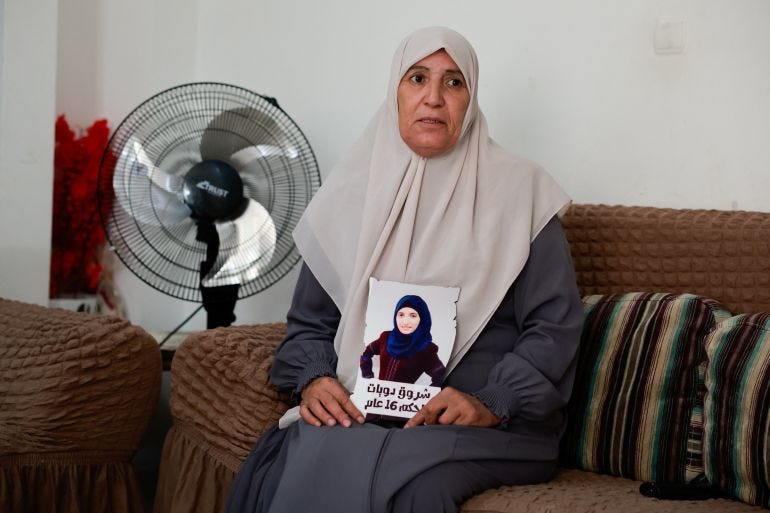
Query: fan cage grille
(175, 128)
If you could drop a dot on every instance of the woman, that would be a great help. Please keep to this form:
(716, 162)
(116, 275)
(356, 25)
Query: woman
(407, 351)
(425, 196)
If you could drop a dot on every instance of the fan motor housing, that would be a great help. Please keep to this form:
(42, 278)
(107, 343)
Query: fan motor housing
(213, 190)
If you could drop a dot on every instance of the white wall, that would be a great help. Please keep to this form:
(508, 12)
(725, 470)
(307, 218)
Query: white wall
(113, 55)
(27, 92)
(576, 86)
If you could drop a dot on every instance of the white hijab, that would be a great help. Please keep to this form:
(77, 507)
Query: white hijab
(463, 219)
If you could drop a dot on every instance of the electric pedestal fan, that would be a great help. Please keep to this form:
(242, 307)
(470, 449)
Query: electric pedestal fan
(200, 188)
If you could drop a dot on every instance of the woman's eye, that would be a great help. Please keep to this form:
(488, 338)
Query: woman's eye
(455, 82)
(417, 79)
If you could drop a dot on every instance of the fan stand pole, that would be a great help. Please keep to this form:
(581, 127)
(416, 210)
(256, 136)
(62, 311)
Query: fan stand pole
(218, 301)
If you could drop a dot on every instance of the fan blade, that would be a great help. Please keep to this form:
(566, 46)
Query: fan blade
(246, 247)
(254, 144)
(236, 129)
(257, 164)
(169, 209)
(142, 164)
(135, 171)
(249, 154)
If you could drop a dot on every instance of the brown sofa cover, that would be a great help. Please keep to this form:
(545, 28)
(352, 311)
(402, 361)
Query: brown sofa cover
(76, 394)
(221, 400)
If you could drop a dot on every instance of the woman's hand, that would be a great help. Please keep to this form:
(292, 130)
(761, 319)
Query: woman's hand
(326, 401)
(450, 406)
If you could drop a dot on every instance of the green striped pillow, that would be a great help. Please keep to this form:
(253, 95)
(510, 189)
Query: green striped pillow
(636, 403)
(736, 443)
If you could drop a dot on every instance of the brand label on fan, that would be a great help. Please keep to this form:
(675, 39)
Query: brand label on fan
(212, 189)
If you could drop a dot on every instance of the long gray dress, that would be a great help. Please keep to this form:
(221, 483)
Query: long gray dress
(521, 367)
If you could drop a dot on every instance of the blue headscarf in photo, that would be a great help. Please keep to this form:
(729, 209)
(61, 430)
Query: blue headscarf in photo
(406, 346)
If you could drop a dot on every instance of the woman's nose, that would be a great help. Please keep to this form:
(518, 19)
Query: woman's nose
(434, 95)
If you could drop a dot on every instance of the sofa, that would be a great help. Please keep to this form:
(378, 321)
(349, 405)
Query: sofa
(77, 392)
(673, 381)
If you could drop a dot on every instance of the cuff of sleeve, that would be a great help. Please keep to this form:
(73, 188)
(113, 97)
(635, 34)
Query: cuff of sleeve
(500, 401)
(310, 372)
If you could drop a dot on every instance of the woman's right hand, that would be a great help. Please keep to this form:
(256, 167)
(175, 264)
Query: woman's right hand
(326, 401)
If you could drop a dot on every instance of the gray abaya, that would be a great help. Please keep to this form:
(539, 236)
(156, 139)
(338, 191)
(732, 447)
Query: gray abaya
(521, 367)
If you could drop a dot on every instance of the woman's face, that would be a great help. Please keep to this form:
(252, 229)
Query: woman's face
(432, 100)
(407, 320)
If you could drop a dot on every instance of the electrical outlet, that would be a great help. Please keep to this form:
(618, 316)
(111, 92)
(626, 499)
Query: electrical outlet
(670, 36)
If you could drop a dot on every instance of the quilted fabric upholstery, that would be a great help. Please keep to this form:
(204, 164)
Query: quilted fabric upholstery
(221, 402)
(73, 382)
(76, 394)
(718, 254)
(220, 387)
(576, 491)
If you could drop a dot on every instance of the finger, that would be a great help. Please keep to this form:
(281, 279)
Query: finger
(431, 412)
(450, 405)
(348, 409)
(308, 417)
(450, 416)
(318, 398)
(353, 411)
(343, 398)
(440, 403)
(318, 409)
(333, 407)
(417, 420)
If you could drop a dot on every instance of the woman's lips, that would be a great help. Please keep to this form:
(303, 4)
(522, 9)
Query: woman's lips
(431, 121)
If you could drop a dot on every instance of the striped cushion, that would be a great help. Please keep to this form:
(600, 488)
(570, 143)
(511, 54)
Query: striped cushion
(639, 386)
(736, 442)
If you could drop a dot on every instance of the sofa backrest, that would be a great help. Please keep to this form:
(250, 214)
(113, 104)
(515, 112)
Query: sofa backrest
(724, 255)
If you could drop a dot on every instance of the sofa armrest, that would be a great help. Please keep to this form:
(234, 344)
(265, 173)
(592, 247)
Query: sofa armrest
(72, 382)
(220, 387)
(76, 394)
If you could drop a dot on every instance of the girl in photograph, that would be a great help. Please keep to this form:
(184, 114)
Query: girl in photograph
(407, 351)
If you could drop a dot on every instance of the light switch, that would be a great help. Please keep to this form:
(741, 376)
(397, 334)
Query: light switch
(670, 36)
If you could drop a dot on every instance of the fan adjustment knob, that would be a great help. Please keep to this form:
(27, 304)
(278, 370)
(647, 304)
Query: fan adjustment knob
(213, 190)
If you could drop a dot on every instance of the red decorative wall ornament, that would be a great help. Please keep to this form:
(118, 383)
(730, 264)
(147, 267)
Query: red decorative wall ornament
(77, 236)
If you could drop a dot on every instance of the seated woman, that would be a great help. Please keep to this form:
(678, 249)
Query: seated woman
(407, 351)
(425, 196)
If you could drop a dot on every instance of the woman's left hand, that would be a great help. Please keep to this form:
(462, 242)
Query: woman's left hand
(450, 406)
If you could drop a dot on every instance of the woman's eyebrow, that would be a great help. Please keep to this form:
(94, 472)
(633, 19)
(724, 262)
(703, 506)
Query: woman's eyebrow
(425, 68)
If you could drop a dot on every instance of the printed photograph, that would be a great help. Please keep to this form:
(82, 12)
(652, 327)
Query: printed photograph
(410, 331)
